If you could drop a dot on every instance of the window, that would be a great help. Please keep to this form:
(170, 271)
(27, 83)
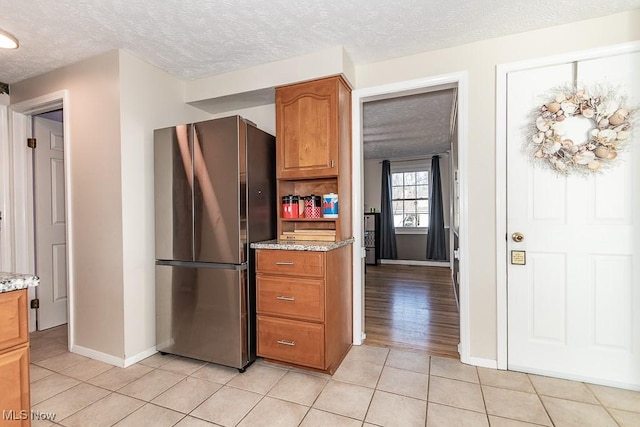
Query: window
(410, 197)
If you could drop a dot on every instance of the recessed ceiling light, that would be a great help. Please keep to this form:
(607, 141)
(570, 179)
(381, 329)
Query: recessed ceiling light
(7, 41)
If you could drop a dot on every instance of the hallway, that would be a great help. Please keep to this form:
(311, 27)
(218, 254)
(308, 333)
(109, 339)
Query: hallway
(411, 307)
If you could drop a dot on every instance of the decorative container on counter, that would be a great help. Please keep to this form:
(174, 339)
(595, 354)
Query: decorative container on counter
(312, 206)
(330, 205)
(290, 206)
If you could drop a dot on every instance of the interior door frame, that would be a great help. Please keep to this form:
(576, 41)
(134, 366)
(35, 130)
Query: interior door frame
(502, 71)
(358, 97)
(22, 191)
(6, 232)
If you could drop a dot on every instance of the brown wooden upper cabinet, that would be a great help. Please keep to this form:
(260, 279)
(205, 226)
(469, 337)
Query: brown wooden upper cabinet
(312, 119)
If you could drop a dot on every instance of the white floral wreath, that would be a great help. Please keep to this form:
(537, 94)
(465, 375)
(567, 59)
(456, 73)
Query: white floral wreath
(610, 134)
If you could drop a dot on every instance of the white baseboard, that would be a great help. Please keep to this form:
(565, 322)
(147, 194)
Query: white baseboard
(98, 355)
(140, 356)
(415, 262)
(479, 361)
(110, 359)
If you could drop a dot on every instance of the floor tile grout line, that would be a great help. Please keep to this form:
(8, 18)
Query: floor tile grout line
(237, 388)
(375, 388)
(540, 399)
(109, 394)
(600, 403)
(513, 419)
(606, 408)
(484, 400)
(318, 395)
(426, 412)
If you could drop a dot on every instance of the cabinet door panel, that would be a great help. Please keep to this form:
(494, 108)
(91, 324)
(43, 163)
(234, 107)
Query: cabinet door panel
(307, 129)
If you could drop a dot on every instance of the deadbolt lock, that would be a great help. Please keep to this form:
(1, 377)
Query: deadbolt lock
(517, 237)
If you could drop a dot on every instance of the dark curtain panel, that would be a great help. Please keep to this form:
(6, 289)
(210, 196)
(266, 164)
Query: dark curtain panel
(388, 248)
(436, 239)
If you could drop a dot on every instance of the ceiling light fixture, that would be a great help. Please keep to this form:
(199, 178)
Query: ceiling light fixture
(7, 41)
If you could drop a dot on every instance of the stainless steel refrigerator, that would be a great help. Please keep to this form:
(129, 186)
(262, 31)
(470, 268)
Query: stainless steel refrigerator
(214, 196)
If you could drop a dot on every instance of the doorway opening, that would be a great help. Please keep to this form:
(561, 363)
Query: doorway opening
(49, 219)
(410, 301)
(42, 240)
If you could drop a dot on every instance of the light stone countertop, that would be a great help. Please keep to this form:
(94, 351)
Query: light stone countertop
(303, 245)
(15, 281)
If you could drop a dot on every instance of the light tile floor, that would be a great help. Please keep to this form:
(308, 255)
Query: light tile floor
(374, 386)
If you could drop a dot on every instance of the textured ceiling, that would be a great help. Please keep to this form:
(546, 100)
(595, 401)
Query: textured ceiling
(409, 126)
(197, 38)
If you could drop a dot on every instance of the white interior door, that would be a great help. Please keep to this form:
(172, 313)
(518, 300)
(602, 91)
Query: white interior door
(51, 248)
(574, 308)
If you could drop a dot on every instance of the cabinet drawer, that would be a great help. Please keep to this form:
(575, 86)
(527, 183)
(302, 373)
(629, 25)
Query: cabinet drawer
(14, 329)
(291, 341)
(291, 297)
(293, 263)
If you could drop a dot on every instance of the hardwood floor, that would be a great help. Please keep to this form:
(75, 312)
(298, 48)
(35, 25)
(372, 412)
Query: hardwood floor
(411, 307)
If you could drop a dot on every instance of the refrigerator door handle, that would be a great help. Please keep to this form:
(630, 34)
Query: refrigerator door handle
(198, 264)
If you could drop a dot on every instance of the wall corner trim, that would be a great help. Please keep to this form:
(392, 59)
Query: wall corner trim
(98, 355)
(113, 360)
(479, 361)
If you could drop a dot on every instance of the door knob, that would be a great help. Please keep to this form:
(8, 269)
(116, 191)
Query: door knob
(517, 237)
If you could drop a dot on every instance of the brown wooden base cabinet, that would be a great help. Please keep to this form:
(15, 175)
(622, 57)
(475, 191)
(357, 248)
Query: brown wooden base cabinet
(304, 305)
(14, 359)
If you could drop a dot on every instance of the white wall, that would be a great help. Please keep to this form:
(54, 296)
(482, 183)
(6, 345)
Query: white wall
(254, 80)
(480, 60)
(149, 99)
(264, 116)
(115, 103)
(93, 146)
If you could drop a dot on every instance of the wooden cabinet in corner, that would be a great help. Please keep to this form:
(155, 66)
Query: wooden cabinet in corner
(14, 359)
(313, 126)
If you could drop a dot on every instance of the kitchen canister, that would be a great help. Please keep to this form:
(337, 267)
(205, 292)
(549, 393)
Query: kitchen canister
(312, 207)
(330, 205)
(290, 206)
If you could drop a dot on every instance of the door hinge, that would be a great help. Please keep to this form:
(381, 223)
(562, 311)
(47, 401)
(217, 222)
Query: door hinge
(35, 303)
(31, 142)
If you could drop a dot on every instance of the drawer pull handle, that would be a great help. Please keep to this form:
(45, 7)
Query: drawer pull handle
(285, 342)
(283, 298)
(284, 262)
